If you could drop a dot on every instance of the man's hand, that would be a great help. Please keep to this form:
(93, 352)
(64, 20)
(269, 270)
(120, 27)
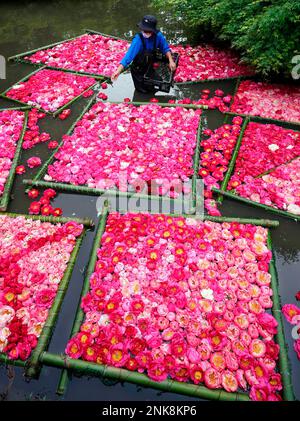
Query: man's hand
(116, 74)
(172, 65)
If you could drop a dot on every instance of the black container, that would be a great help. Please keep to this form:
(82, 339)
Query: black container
(159, 75)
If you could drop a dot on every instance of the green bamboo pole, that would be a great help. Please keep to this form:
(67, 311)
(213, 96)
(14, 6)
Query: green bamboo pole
(98, 192)
(53, 219)
(258, 205)
(34, 367)
(91, 31)
(163, 104)
(5, 360)
(224, 79)
(196, 163)
(259, 118)
(278, 166)
(64, 378)
(4, 199)
(233, 159)
(61, 361)
(27, 107)
(284, 363)
(45, 47)
(55, 113)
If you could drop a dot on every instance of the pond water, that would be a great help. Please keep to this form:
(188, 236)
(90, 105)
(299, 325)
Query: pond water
(30, 24)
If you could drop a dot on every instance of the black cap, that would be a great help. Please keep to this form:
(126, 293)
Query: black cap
(148, 23)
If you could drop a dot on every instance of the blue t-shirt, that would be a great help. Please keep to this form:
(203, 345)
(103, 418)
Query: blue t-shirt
(136, 47)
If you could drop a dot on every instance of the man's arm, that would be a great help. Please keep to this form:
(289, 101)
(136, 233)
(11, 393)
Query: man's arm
(132, 52)
(165, 48)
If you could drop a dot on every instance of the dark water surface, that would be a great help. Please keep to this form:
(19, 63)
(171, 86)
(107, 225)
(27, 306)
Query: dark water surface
(28, 25)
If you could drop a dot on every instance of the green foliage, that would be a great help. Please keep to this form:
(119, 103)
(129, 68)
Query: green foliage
(266, 33)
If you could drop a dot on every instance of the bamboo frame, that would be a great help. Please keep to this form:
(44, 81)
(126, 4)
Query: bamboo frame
(4, 198)
(69, 365)
(264, 119)
(32, 365)
(233, 158)
(36, 181)
(64, 378)
(53, 113)
(92, 31)
(278, 212)
(284, 363)
(252, 115)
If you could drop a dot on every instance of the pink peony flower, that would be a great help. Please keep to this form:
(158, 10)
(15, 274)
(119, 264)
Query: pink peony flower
(34, 162)
(290, 311)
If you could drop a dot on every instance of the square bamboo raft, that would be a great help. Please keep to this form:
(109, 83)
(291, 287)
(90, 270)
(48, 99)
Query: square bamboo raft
(35, 105)
(264, 117)
(24, 59)
(83, 189)
(5, 197)
(31, 365)
(223, 191)
(106, 371)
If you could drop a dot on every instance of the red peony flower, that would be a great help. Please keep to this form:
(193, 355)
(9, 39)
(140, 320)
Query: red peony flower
(34, 208)
(49, 193)
(57, 212)
(20, 169)
(53, 144)
(64, 114)
(46, 210)
(33, 193)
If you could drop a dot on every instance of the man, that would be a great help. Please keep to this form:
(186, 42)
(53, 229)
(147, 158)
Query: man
(142, 52)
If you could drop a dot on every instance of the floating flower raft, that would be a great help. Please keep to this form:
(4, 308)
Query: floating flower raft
(90, 53)
(274, 101)
(217, 148)
(12, 127)
(37, 255)
(205, 62)
(264, 168)
(49, 90)
(279, 188)
(264, 147)
(182, 299)
(128, 147)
